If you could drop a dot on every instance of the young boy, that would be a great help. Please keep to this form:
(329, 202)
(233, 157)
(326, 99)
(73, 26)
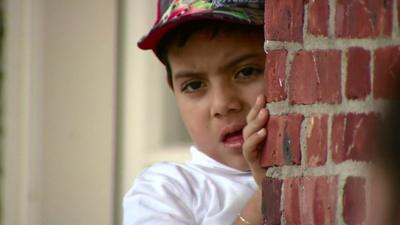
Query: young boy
(213, 54)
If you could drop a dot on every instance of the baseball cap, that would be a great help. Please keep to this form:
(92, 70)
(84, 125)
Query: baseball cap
(172, 13)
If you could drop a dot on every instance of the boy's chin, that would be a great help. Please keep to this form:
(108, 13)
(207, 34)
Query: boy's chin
(236, 159)
(236, 150)
(234, 147)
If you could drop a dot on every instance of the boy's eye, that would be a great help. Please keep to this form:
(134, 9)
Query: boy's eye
(248, 72)
(192, 86)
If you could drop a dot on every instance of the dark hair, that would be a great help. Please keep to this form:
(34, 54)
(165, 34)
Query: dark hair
(180, 35)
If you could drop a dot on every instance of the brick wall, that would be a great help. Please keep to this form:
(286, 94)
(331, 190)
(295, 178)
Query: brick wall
(328, 70)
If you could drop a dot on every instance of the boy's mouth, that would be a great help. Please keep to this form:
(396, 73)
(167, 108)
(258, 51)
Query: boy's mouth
(233, 138)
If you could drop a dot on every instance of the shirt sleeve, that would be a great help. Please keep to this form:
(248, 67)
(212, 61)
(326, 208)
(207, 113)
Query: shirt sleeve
(157, 198)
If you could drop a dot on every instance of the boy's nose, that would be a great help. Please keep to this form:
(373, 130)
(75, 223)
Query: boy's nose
(225, 101)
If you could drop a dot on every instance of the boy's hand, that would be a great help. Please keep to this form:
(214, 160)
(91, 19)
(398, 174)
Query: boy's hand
(254, 134)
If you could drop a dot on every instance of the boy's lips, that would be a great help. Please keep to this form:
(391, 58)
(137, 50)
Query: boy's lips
(232, 136)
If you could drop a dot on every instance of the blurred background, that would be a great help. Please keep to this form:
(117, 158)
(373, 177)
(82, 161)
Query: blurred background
(83, 111)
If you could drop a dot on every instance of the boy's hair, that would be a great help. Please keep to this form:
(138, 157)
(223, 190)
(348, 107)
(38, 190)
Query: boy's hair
(179, 36)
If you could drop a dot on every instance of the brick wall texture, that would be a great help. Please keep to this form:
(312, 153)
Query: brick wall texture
(329, 69)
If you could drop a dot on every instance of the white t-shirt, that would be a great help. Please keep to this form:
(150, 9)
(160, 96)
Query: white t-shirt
(201, 191)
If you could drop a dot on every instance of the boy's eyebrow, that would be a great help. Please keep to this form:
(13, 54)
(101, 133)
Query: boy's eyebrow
(241, 58)
(231, 63)
(186, 74)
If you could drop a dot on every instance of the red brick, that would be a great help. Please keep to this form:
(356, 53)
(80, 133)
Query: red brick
(275, 75)
(354, 201)
(302, 82)
(363, 18)
(353, 136)
(328, 71)
(387, 70)
(358, 84)
(284, 20)
(318, 16)
(271, 201)
(310, 200)
(283, 141)
(291, 203)
(317, 147)
(323, 196)
(315, 77)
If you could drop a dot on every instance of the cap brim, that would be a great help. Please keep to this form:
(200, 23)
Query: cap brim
(151, 40)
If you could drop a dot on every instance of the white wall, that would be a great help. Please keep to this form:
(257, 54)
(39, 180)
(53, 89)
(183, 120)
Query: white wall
(59, 112)
(151, 130)
(79, 109)
(62, 165)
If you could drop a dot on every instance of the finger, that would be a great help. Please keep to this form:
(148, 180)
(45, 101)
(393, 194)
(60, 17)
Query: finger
(254, 109)
(250, 146)
(257, 124)
(260, 102)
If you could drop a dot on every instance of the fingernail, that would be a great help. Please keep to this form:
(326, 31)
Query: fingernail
(261, 132)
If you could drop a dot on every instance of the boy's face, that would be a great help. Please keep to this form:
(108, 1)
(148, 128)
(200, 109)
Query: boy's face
(216, 80)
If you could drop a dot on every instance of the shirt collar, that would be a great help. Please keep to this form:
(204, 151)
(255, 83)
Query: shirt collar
(200, 158)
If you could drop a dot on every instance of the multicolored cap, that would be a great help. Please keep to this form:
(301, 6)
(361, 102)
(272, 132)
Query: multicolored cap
(172, 13)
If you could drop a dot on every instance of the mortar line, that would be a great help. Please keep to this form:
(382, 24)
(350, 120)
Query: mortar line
(331, 20)
(395, 21)
(372, 73)
(304, 131)
(353, 106)
(288, 69)
(349, 168)
(329, 154)
(282, 203)
(305, 22)
(323, 43)
(339, 204)
(343, 73)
